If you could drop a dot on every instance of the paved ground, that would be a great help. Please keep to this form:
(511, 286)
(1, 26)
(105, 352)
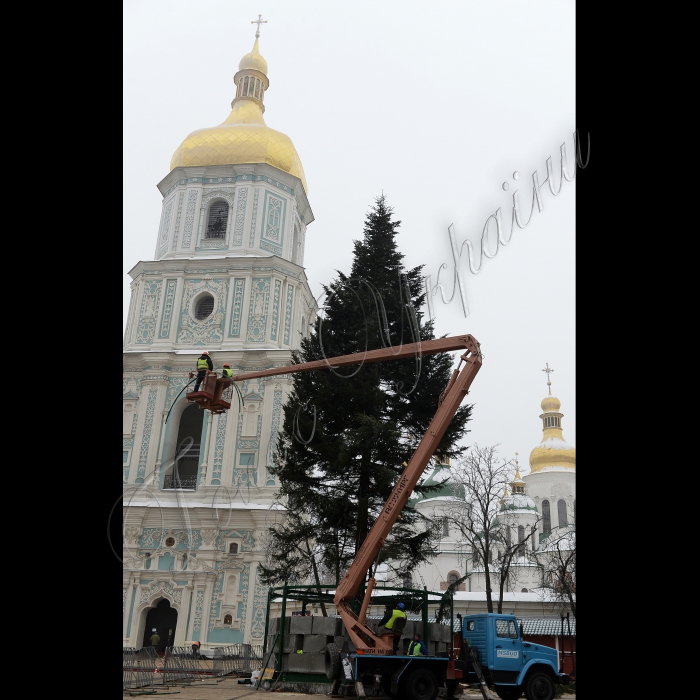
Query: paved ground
(229, 689)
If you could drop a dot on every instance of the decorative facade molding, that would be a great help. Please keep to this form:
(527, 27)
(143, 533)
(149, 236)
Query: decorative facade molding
(146, 329)
(257, 312)
(189, 218)
(180, 199)
(240, 216)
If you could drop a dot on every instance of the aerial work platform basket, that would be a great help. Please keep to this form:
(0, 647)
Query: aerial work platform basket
(214, 394)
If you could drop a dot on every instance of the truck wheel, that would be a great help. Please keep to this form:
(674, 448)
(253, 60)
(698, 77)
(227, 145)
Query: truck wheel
(539, 686)
(421, 685)
(509, 692)
(332, 661)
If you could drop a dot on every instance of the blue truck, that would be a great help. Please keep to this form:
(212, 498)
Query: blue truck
(492, 655)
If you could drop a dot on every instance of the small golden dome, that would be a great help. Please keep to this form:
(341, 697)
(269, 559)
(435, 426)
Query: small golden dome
(550, 403)
(253, 61)
(553, 451)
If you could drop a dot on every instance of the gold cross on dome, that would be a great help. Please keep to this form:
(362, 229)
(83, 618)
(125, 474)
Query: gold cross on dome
(258, 21)
(548, 370)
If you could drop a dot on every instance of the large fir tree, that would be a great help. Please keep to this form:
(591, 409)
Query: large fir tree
(347, 434)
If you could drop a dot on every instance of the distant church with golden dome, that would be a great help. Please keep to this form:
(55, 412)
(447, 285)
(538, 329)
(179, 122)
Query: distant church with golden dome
(544, 498)
(227, 277)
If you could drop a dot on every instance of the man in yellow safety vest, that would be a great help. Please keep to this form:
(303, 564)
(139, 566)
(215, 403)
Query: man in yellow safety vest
(204, 363)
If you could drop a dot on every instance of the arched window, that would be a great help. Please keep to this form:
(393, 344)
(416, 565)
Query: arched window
(228, 619)
(408, 582)
(523, 590)
(245, 85)
(233, 548)
(183, 473)
(521, 541)
(217, 219)
(445, 527)
(490, 557)
(475, 556)
(508, 540)
(452, 578)
(546, 518)
(257, 88)
(561, 512)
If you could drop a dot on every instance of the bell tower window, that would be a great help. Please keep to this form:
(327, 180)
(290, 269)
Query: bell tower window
(217, 220)
(204, 307)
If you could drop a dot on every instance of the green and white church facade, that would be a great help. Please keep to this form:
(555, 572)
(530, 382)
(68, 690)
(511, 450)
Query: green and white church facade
(227, 277)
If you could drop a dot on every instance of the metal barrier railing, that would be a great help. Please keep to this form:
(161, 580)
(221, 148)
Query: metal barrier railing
(144, 668)
(237, 658)
(139, 667)
(182, 664)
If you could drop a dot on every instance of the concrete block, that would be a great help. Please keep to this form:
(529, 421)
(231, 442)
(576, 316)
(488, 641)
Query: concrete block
(433, 632)
(445, 633)
(307, 663)
(275, 625)
(339, 641)
(300, 625)
(329, 626)
(314, 643)
(293, 642)
(409, 628)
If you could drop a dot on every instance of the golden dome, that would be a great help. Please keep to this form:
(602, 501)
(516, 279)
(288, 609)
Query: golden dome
(243, 137)
(253, 61)
(553, 451)
(550, 403)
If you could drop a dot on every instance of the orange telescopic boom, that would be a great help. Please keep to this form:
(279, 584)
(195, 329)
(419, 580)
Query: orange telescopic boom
(450, 400)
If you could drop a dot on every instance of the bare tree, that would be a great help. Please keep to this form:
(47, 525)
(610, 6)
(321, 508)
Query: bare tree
(557, 556)
(479, 480)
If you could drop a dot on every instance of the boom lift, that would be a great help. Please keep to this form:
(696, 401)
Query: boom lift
(492, 650)
(363, 638)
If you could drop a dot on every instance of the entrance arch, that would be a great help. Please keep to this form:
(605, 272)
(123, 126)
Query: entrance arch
(162, 618)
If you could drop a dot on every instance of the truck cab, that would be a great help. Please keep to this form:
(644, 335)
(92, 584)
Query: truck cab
(508, 663)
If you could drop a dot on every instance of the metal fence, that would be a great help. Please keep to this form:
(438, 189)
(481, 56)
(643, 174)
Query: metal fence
(144, 668)
(181, 664)
(237, 658)
(141, 668)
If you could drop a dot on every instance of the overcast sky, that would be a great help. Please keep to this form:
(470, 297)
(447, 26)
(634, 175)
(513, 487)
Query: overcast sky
(436, 104)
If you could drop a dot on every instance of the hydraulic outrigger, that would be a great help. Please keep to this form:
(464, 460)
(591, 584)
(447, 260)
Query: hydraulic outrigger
(363, 638)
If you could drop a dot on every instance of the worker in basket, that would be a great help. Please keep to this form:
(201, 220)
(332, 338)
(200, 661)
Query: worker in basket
(393, 621)
(227, 371)
(204, 363)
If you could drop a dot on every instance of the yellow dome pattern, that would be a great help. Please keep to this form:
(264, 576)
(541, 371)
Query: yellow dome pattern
(243, 138)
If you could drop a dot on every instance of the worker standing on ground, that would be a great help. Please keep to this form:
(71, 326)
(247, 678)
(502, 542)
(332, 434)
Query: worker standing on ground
(155, 639)
(204, 363)
(394, 621)
(417, 647)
